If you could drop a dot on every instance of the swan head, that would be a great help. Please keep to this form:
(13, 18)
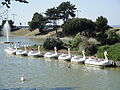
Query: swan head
(105, 53)
(38, 46)
(55, 48)
(83, 51)
(69, 49)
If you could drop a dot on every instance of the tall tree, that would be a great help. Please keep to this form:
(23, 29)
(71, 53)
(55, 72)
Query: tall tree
(66, 10)
(8, 2)
(52, 14)
(38, 21)
(101, 24)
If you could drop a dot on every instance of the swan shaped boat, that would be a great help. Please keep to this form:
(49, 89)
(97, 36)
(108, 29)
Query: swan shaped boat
(10, 50)
(79, 59)
(104, 62)
(35, 54)
(65, 57)
(51, 55)
(22, 52)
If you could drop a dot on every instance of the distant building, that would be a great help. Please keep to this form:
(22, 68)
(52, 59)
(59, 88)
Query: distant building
(19, 27)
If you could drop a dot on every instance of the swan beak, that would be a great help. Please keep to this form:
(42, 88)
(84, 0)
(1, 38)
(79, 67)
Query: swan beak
(107, 54)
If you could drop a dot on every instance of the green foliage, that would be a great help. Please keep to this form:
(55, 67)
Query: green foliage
(112, 37)
(63, 11)
(50, 43)
(52, 13)
(8, 2)
(90, 48)
(101, 51)
(84, 26)
(109, 37)
(76, 40)
(66, 9)
(101, 24)
(113, 52)
(38, 21)
(33, 25)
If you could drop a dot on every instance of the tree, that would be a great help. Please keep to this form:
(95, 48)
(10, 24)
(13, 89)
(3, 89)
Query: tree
(66, 9)
(76, 40)
(50, 43)
(38, 21)
(109, 37)
(8, 2)
(84, 26)
(101, 24)
(52, 14)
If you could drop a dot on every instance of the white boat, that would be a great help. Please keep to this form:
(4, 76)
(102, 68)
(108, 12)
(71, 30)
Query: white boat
(104, 62)
(10, 50)
(22, 52)
(65, 57)
(35, 53)
(79, 59)
(51, 55)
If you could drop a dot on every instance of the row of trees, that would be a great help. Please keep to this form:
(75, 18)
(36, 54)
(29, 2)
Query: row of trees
(64, 11)
(85, 26)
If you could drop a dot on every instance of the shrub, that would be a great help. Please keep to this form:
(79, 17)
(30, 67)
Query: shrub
(50, 43)
(90, 48)
(109, 37)
(101, 51)
(76, 40)
(113, 52)
(112, 37)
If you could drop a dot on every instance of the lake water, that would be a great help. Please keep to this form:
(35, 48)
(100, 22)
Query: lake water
(44, 74)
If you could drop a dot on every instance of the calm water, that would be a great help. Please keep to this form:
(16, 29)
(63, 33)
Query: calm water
(52, 74)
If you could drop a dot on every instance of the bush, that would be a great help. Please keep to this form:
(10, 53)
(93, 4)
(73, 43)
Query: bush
(76, 40)
(113, 52)
(112, 37)
(76, 25)
(101, 51)
(50, 43)
(90, 48)
(109, 37)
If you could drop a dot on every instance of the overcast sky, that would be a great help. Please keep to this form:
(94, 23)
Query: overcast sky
(89, 9)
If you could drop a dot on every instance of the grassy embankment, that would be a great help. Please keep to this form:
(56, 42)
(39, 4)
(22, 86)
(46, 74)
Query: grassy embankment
(36, 35)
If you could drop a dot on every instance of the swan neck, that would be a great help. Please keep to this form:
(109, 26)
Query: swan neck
(106, 58)
(83, 54)
(68, 52)
(25, 48)
(38, 49)
(55, 50)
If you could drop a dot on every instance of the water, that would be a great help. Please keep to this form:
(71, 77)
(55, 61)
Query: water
(6, 30)
(44, 74)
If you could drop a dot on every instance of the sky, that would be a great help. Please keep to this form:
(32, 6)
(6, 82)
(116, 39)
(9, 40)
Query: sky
(90, 9)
